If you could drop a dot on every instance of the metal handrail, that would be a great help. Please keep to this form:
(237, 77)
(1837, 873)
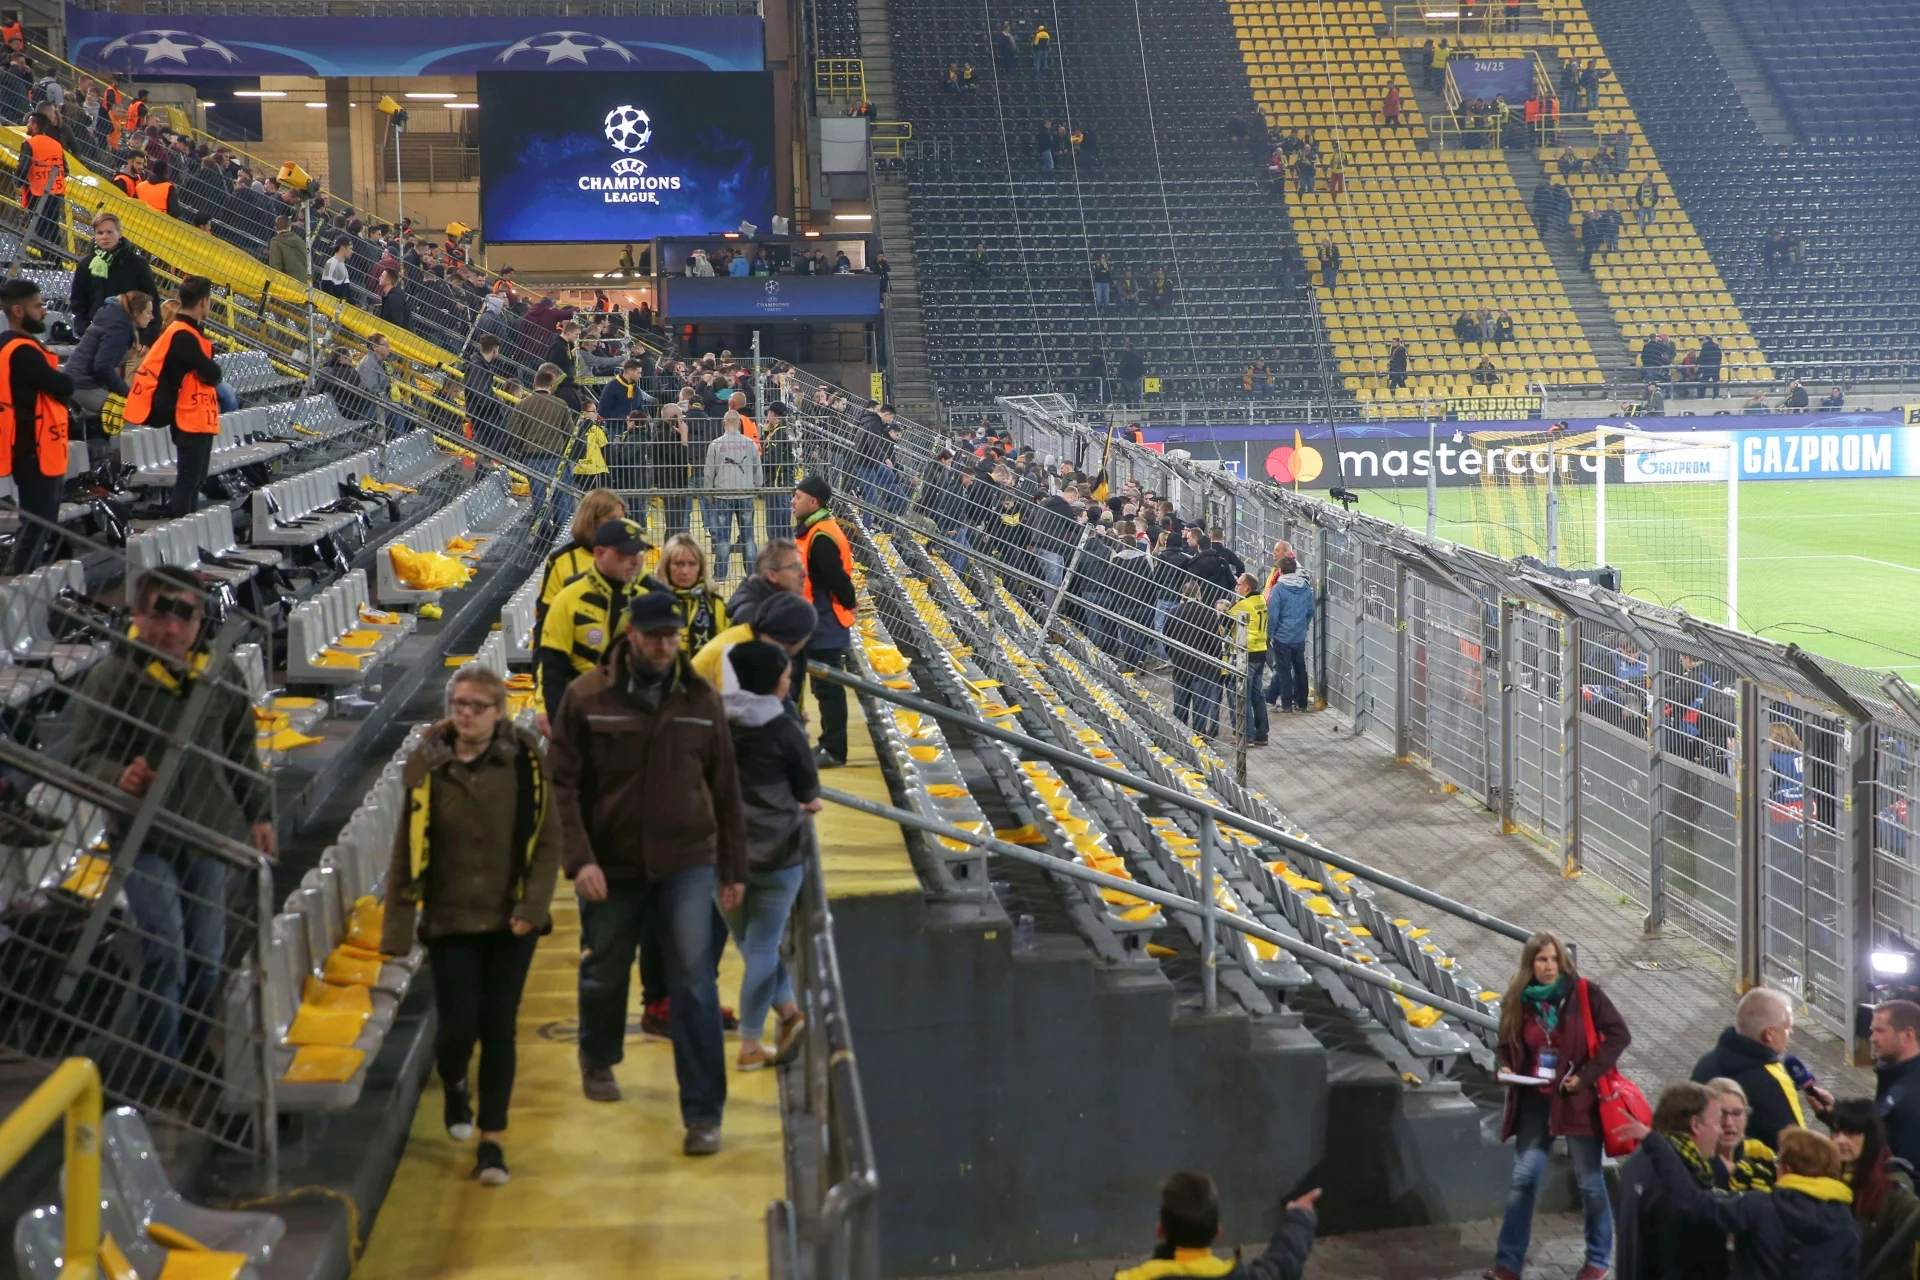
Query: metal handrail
(1169, 795)
(837, 1237)
(1204, 907)
(71, 1093)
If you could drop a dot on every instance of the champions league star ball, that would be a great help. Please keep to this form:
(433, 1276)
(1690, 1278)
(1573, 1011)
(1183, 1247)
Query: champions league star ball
(628, 129)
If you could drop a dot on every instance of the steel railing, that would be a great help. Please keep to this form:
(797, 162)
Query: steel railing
(829, 1231)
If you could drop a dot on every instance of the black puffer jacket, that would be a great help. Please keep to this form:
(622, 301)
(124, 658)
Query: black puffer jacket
(777, 776)
(1756, 1069)
(94, 365)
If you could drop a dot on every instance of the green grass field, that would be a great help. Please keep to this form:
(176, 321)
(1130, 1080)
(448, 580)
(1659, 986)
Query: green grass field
(1831, 565)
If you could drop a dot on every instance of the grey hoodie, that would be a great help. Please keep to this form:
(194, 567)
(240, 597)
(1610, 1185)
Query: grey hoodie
(733, 462)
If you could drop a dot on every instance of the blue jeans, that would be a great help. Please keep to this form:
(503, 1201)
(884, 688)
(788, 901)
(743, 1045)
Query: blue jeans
(1161, 608)
(1046, 161)
(227, 398)
(540, 472)
(726, 518)
(1256, 715)
(879, 490)
(1196, 703)
(1289, 687)
(1329, 276)
(1531, 1144)
(1043, 58)
(1053, 567)
(957, 555)
(679, 910)
(756, 925)
(182, 918)
(1102, 293)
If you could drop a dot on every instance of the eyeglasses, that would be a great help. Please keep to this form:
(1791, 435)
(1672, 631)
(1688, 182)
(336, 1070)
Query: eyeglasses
(184, 608)
(473, 706)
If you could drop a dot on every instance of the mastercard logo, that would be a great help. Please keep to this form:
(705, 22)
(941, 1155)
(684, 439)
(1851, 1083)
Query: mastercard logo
(1290, 464)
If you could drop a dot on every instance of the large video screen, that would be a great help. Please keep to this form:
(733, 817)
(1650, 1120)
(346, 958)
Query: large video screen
(614, 157)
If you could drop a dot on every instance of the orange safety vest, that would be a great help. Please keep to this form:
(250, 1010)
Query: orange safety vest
(834, 534)
(749, 428)
(127, 183)
(154, 194)
(48, 165)
(12, 32)
(50, 415)
(197, 411)
(136, 115)
(110, 100)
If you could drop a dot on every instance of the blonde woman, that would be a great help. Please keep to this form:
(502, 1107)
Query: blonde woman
(683, 571)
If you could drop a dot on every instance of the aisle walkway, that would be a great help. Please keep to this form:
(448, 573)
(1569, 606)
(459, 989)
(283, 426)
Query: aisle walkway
(602, 1189)
(1350, 794)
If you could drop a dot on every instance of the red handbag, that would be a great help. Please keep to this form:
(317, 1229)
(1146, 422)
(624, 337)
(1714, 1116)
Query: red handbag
(1622, 1105)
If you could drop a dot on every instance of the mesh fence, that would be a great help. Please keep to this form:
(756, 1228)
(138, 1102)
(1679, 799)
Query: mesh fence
(1754, 796)
(136, 839)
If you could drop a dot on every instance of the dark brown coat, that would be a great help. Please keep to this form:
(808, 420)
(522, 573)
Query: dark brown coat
(476, 880)
(645, 794)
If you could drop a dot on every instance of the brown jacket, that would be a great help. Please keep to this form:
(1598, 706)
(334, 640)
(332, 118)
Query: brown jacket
(478, 875)
(647, 794)
(541, 423)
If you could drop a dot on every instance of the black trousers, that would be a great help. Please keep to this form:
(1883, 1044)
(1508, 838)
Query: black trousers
(477, 981)
(195, 451)
(39, 500)
(833, 702)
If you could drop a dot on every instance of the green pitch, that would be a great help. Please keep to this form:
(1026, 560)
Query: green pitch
(1833, 565)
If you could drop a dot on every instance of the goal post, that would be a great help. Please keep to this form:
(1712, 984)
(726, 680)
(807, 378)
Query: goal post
(1663, 508)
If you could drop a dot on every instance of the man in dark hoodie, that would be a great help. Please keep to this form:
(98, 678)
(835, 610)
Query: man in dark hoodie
(1653, 1240)
(1749, 1053)
(1801, 1230)
(1211, 565)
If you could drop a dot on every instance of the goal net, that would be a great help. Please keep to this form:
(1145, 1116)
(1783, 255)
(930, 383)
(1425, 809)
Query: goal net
(1661, 509)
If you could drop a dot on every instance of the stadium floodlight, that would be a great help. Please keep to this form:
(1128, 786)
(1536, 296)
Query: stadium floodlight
(434, 97)
(259, 93)
(1892, 964)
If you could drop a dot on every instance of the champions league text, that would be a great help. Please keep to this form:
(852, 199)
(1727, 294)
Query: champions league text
(629, 188)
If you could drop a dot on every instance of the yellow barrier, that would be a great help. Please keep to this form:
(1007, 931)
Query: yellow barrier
(191, 252)
(72, 1091)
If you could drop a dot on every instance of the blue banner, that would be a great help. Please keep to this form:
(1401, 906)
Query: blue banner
(1202, 437)
(771, 299)
(156, 46)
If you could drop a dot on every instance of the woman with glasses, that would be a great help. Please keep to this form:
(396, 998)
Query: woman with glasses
(475, 860)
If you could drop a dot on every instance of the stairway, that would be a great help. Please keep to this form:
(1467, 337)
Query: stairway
(1731, 48)
(1590, 306)
(910, 379)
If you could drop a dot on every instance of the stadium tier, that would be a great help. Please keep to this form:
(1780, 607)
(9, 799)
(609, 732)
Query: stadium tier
(1835, 300)
(1840, 74)
(1154, 186)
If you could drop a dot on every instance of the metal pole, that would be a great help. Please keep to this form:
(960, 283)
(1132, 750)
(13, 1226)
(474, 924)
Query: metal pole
(1733, 536)
(1750, 787)
(1553, 509)
(1433, 484)
(399, 178)
(1060, 591)
(1209, 960)
(1147, 786)
(1600, 500)
(1161, 898)
(1508, 669)
(759, 379)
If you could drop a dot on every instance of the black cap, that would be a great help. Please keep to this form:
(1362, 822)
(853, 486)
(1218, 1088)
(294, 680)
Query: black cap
(785, 618)
(623, 535)
(779, 408)
(817, 488)
(757, 665)
(653, 611)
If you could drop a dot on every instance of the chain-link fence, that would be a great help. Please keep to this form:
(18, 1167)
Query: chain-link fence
(1756, 796)
(137, 832)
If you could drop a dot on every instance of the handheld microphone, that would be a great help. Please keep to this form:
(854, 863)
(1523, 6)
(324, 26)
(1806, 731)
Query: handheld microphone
(1797, 1071)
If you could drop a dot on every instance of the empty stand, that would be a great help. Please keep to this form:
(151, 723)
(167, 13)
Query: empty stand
(1851, 309)
(1155, 186)
(1842, 72)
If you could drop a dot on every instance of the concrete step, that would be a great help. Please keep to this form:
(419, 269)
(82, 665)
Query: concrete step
(1730, 46)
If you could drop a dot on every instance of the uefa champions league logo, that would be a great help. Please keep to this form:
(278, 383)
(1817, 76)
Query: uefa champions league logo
(628, 129)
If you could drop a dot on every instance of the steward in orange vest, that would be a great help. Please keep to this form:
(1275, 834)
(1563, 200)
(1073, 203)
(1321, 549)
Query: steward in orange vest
(829, 562)
(158, 193)
(43, 162)
(12, 34)
(33, 419)
(174, 388)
